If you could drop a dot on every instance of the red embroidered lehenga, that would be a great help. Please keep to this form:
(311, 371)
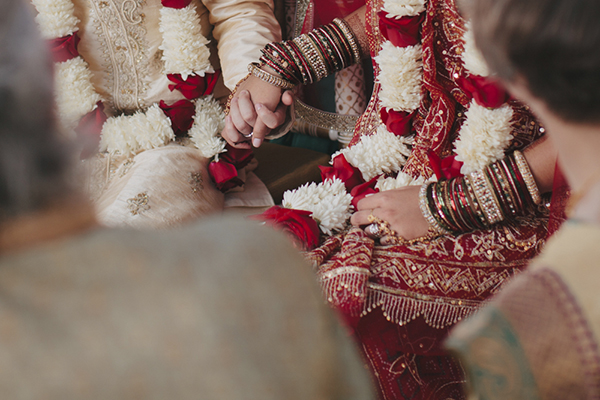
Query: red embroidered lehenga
(402, 299)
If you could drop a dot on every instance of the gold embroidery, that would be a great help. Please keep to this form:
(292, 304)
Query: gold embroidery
(195, 182)
(138, 204)
(122, 34)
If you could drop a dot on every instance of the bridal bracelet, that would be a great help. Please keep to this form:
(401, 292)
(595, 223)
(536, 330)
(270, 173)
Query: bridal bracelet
(501, 191)
(309, 57)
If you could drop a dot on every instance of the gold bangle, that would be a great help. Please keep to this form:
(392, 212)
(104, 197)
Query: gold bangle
(254, 69)
(527, 177)
(233, 92)
(343, 25)
(485, 197)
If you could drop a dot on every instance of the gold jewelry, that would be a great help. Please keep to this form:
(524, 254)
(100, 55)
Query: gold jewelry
(254, 69)
(527, 177)
(343, 25)
(434, 225)
(485, 197)
(384, 228)
(233, 92)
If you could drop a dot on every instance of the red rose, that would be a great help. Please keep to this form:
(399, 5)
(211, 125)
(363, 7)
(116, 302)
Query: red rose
(64, 48)
(224, 175)
(402, 32)
(397, 122)
(194, 86)
(181, 114)
(342, 170)
(296, 222)
(176, 3)
(238, 157)
(361, 191)
(89, 128)
(486, 92)
(444, 168)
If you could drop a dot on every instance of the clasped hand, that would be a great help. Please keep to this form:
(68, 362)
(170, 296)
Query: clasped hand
(256, 108)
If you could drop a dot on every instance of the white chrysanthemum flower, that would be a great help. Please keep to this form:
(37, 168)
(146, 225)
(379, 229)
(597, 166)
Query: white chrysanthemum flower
(75, 94)
(400, 77)
(128, 134)
(329, 202)
(55, 18)
(472, 57)
(381, 153)
(484, 136)
(184, 48)
(402, 8)
(400, 181)
(209, 121)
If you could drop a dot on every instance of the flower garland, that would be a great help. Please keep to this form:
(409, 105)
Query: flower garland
(186, 64)
(370, 165)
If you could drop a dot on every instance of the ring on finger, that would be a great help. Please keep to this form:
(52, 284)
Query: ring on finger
(374, 231)
(248, 135)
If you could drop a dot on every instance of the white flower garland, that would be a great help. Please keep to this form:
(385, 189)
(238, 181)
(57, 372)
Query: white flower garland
(401, 74)
(484, 136)
(184, 52)
(329, 202)
(184, 47)
(486, 133)
(399, 9)
(381, 153)
(472, 57)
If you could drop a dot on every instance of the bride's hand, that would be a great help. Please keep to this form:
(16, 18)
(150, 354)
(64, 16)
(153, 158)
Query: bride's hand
(398, 207)
(256, 108)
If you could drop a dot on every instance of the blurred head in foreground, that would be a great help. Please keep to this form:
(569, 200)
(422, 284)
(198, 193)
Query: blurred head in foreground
(89, 313)
(538, 338)
(546, 53)
(33, 163)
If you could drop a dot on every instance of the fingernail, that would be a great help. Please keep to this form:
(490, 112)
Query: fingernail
(256, 142)
(258, 106)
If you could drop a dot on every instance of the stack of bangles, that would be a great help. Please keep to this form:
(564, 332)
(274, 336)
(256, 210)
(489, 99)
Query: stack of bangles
(501, 191)
(309, 57)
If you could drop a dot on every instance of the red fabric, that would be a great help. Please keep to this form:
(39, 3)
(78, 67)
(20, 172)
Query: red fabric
(401, 299)
(181, 114)
(397, 122)
(194, 86)
(342, 170)
(486, 92)
(560, 200)
(361, 191)
(402, 32)
(238, 157)
(89, 128)
(176, 3)
(64, 48)
(445, 168)
(298, 223)
(224, 175)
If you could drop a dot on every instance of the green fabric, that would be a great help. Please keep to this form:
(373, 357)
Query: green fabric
(496, 364)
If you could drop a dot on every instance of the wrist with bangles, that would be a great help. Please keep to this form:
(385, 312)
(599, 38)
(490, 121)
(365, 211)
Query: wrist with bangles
(309, 57)
(501, 191)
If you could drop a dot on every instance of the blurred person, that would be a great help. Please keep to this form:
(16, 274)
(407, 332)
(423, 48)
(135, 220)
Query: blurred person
(538, 339)
(98, 313)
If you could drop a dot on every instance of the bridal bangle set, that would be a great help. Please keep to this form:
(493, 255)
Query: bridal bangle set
(502, 190)
(309, 57)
